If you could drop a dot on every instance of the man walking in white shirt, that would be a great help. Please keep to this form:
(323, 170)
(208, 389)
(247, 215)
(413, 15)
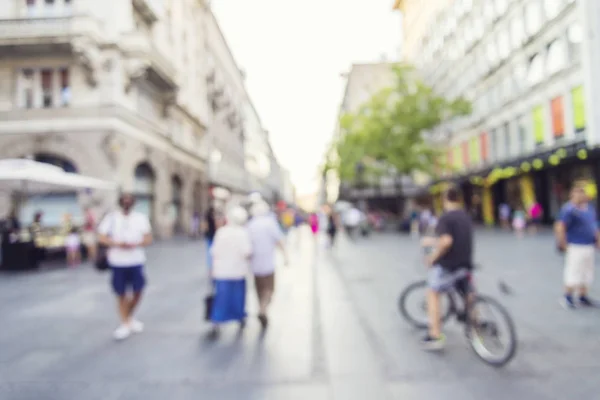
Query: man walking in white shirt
(126, 232)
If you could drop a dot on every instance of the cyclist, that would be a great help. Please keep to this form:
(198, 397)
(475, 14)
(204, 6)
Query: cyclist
(450, 262)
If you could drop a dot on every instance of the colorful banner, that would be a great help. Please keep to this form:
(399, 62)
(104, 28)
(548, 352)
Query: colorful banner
(578, 98)
(483, 138)
(558, 117)
(487, 206)
(465, 153)
(527, 191)
(538, 125)
(449, 167)
(457, 158)
(474, 150)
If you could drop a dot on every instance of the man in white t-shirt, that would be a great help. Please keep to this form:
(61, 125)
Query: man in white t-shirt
(352, 218)
(126, 232)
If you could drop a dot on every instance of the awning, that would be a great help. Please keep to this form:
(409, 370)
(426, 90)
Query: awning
(27, 176)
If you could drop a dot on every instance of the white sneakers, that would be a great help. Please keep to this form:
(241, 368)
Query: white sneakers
(124, 331)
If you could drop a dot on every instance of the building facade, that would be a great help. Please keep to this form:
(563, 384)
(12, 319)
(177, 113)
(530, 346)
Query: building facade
(526, 67)
(238, 147)
(126, 90)
(225, 144)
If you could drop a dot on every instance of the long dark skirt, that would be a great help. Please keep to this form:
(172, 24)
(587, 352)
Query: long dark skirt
(229, 303)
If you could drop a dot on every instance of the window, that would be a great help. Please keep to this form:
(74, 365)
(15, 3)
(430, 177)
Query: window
(535, 73)
(65, 87)
(522, 145)
(47, 75)
(501, 7)
(503, 45)
(506, 134)
(517, 30)
(27, 88)
(45, 88)
(520, 76)
(574, 38)
(492, 54)
(488, 11)
(552, 8)
(557, 57)
(533, 17)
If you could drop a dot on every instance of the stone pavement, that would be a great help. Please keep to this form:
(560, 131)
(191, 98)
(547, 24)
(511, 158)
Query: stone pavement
(335, 332)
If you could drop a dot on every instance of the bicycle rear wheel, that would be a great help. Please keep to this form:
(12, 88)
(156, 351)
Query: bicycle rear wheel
(417, 316)
(485, 332)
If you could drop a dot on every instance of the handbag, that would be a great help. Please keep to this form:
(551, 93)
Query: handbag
(101, 263)
(208, 306)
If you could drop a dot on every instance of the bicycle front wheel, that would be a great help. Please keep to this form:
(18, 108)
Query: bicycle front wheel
(413, 305)
(488, 327)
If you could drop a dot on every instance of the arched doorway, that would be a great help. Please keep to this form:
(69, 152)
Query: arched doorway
(176, 203)
(143, 189)
(197, 197)
(56, 205)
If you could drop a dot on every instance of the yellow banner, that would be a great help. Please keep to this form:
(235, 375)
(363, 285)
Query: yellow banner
(578, 97)
(527, 191)
(539, 125)
(487, 206)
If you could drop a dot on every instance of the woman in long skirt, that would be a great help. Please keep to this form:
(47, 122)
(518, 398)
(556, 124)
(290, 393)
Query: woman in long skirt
(231, 251)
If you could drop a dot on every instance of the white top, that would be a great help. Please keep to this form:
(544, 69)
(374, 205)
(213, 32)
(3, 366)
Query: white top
(130, 228)
(72, 241)
(352, 217)
(265, 233)
(230, 251)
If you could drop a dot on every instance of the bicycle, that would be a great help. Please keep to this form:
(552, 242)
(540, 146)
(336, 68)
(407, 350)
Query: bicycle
(466, 313)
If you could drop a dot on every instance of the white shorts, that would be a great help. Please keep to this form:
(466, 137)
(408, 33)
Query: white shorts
(579, 265)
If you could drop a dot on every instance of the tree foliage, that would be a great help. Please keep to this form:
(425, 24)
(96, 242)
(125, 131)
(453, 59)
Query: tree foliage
(386, 133)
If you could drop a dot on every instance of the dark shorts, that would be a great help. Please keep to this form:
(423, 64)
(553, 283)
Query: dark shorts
(128, 278)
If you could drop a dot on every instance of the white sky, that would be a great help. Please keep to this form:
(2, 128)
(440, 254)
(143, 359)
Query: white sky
(293, 53)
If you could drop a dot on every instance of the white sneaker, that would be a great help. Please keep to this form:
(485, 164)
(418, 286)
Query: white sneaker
(136, 326)
(122, 332)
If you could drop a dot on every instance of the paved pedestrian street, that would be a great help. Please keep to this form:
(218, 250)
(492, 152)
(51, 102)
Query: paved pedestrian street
(335, 331)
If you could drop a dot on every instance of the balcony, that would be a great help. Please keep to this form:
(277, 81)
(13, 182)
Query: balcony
(45, 35)
(151, 10)
(148, 61)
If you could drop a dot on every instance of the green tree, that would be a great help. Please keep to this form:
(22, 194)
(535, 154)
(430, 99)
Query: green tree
(387, 133)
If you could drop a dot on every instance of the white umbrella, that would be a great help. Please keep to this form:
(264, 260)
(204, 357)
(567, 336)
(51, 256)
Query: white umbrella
(29, 176)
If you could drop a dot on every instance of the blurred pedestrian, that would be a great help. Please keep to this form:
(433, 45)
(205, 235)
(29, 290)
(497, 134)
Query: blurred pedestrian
(73, 248)
(126, 232)
(209, 227)
(504, 214)
(536, 213)
(313, 221)
(231, 252)
(519, 221)
(195, 225)
(332, 226)
(88, 236)
(577, 234)
(352, 219)
(266, 237)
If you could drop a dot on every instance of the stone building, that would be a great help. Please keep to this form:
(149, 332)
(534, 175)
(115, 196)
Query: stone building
(529, 67)
(117, 89)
